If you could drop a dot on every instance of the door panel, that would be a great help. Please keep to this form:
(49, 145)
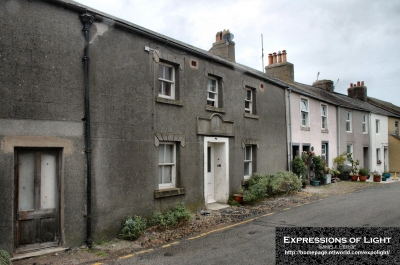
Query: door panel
(37, 216)
(210, 174)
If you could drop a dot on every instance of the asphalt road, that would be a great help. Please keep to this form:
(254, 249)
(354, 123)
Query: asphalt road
(254, 242)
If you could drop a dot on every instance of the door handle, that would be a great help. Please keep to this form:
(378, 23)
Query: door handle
(219, 165)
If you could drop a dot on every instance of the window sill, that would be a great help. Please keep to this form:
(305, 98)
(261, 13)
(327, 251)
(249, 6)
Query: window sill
(251, 116)
(215, 109)
(304, 128)
(324, 130)
(175, 102)
(163, 193)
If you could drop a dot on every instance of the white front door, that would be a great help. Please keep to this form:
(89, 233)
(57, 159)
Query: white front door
(210, 173)
(216, 169)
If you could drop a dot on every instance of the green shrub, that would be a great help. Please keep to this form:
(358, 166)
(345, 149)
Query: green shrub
(257, 188)
(132, 228)
(5, 258)
(317, 165)
(299, 167)
(179, 214)
(363, 172)
(283, 182)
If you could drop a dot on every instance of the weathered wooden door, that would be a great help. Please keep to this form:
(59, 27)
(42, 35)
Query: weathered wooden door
(37, 223)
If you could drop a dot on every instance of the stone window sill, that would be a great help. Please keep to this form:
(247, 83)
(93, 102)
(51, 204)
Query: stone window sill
(324, 131)
(215, 109)
(304, 128)
(163, 193)
(251, 116)
(175, 102)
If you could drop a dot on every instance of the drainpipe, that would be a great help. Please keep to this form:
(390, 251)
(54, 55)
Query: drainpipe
(338, 130)
(87, 20)
(290, 129)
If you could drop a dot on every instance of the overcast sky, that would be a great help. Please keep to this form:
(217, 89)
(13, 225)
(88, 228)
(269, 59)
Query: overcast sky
(349, 40)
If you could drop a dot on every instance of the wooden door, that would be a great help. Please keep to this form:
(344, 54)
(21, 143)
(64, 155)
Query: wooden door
(37, 200)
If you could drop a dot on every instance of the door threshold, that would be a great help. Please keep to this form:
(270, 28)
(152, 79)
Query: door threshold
(37, 253)
(217, 206)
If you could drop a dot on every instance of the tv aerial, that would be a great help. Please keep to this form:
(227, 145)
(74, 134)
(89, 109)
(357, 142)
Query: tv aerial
(227, 38)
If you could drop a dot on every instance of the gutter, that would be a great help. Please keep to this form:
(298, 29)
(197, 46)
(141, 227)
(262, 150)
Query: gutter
(338, 130)
(290, 129)
(87, 20)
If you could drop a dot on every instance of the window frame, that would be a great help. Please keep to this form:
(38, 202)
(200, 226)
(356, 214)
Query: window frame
(364, 123)
(250, 109)
(304, 112)
(348, 121)
(171, 184)
(324, 124)
(325, 155)
(161, 80)
(378, 155)
(249, 161)
(216, 92)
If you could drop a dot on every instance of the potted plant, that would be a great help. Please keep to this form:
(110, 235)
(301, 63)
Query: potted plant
(376, 176)
(353, 164)
(363, 172)
(299, 167)
(317, 166)
(238, 196)
(304, 182)
(385, 175)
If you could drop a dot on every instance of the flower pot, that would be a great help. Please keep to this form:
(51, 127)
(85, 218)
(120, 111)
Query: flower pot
(377, 178)
(315, 182)
(363, 178)
(384, 179)
(354, 177)
(238, 198)
(386, 175)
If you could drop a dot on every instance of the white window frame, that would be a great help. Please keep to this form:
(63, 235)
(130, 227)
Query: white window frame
(364, 123)
(324, 155)
(348, 121)
(349, 149)
(162, 164)
(324, 116)
(377, 126)
(163, 81)
(304, 112)
(248, 160)
(210, 91)
(249, 101)
(378, 155)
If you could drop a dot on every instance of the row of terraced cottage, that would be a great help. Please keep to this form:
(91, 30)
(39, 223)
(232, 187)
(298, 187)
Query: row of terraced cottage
(101, 119)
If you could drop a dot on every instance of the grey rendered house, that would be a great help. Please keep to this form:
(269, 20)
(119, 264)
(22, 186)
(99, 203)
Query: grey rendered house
(101, 119)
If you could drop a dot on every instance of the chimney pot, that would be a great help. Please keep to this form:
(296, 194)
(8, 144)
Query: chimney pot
(279, 57)
(270, 59)
(274, 58)
(351, 84)
(358, 83)
(362, 83)
(284, 56)
(218, 36)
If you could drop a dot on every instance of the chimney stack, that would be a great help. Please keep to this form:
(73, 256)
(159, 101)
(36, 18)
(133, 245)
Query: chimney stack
(224, 46)
(279, 67)
(358, 91)
(324, 84)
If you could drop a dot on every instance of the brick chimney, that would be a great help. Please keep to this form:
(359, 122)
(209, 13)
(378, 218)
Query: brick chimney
(358, 90)
(224, 46)
(279, 67)
(324, 84)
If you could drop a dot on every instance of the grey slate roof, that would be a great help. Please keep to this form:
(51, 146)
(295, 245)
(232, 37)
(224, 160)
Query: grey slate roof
(307, 90)
(384, 105)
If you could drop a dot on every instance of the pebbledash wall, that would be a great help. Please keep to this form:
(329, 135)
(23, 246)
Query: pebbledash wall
(42, 106)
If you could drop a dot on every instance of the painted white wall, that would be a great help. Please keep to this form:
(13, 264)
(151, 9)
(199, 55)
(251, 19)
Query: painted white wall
(379, 140)
(315, 135)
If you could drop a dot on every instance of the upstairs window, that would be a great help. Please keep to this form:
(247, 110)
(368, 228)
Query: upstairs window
(212, 92)
(304, 112)
(166, 165)
(348, 121)
(248, 101)
(166, 77)
(324, 115)
(364, 123)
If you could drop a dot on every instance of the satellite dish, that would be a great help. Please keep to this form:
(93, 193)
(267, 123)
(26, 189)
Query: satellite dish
(227, 38)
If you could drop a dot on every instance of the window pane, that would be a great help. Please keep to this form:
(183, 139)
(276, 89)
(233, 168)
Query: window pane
(212, 84)
(168, 73)
(247, 155)
(26, 166)
(211, 95)
(303, 105)
(246, 168)
(167, 89)
(167, 174)
(161, 153)
(247, 104)
(160, 173)
(248, 94)
(160, 71)
(48, 189)
(169, 152)
(211, 103)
